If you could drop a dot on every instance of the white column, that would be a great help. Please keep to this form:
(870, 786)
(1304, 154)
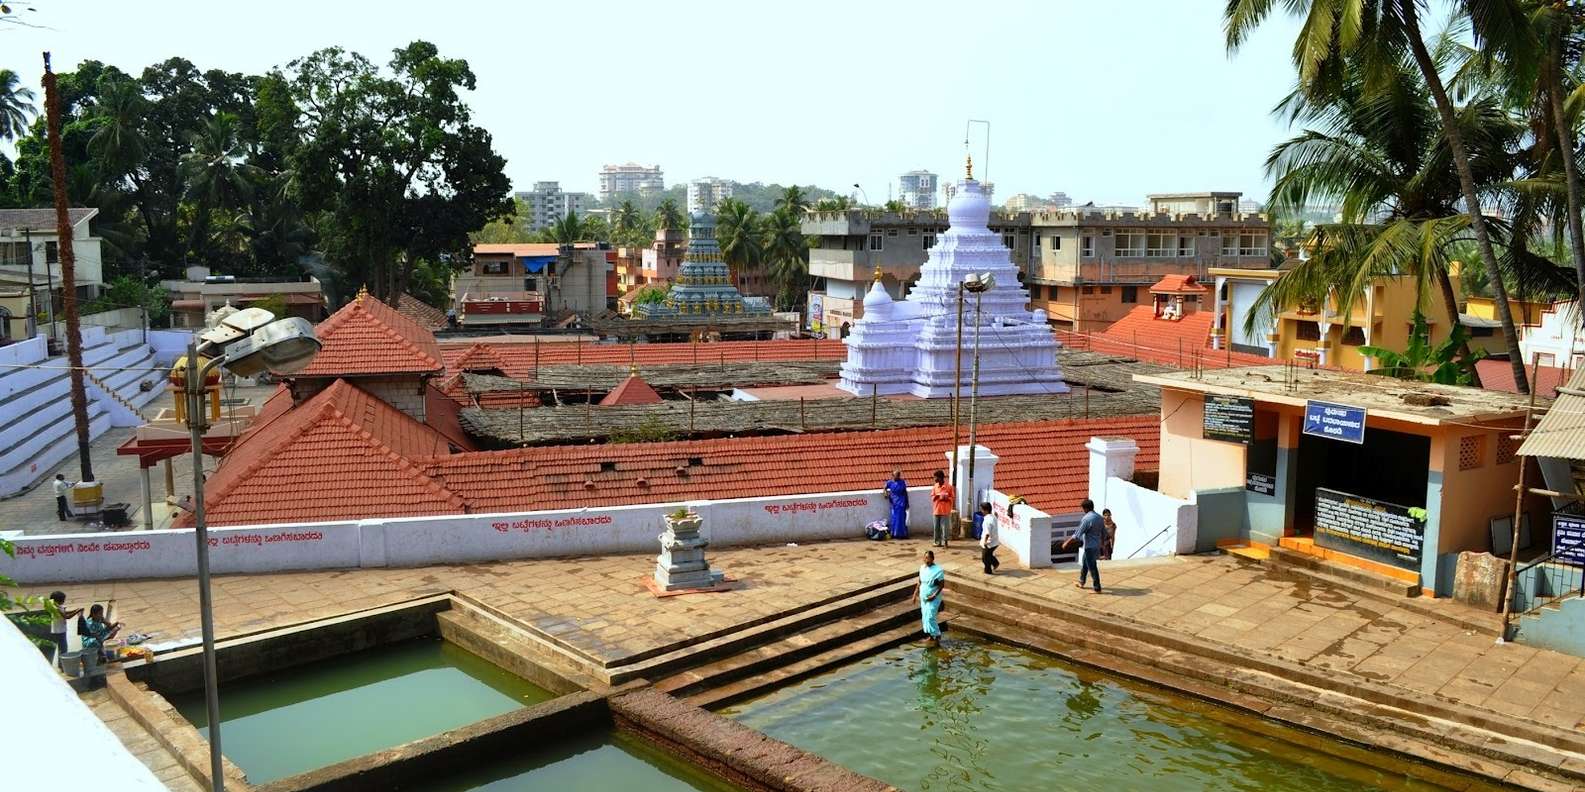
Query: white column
(1109, 456)
(984, 477)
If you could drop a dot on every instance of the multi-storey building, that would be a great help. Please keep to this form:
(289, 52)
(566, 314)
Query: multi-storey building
(851, 246)
(630, 178)
(1091, 266)
(917, 189)
(705, 193)
(525, 283)
(546, 204)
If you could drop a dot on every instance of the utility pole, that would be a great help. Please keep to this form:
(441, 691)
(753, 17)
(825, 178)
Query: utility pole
(977, 284)
(63, 232)
(957, 401)
(33, 306)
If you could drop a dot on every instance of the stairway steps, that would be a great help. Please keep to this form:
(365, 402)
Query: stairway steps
(841, 655)
(692, 653)
(792, 648)
(1351, 576)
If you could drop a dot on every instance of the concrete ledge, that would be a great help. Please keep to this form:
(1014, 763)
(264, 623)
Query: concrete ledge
(173, 731)
(731, 750)
(182, 670)
(508, 648)
(465, 747)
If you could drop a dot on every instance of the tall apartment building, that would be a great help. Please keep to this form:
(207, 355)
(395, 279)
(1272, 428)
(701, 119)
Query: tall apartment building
(917, 189)
(1089, 266)
(547, 204)
(705, 193)
(630, 178)
(849, 245)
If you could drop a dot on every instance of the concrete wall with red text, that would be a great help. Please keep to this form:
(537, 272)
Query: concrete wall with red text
(421, 541)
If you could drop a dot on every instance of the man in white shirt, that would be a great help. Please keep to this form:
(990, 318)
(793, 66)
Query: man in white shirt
(62, 487)
(990, 538)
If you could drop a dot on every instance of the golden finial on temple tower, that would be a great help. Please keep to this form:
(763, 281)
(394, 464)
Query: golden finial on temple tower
(878, 273)
(363, 291)
(968, 166)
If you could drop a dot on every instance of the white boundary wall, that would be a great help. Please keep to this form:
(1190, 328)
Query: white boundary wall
(420, 541)
(61, 726)
(1027, 534)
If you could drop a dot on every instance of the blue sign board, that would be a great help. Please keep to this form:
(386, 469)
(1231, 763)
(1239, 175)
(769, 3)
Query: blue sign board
(1334, 421)
(1568, 538)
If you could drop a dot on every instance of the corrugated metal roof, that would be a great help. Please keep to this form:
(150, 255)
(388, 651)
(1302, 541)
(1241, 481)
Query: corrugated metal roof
(1561, 432)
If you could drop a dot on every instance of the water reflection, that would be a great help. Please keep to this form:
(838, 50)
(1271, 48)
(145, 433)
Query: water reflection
(973, 716)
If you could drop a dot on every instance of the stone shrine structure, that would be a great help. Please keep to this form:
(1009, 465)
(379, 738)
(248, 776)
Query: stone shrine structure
(681, 563)
(910, 345)
(703, 286)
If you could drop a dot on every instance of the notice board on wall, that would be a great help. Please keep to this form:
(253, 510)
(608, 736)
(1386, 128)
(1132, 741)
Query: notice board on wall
(1229, 418)
(1369, 528)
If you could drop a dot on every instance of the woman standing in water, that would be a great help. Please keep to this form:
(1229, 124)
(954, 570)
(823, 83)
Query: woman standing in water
(897, 491)
(928, 590)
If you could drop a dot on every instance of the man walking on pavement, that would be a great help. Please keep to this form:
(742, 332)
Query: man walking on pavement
(1091, 531)
(61, 488)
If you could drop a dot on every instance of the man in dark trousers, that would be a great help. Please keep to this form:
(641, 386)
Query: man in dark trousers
(61, 488)
(1091, 532)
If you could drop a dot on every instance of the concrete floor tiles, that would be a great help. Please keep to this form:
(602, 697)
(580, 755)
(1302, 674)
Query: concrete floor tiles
(598, 606)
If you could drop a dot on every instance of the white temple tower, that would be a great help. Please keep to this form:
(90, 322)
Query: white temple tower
(910, 346)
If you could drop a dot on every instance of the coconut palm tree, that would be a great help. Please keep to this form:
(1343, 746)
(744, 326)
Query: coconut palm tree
(738, 232)
(1532, 49)
(787, 252)
(670, 216)
(1383, 156)
(16, 106)
(1375, 36)
(794, 200)
(217, 175)
(628, 225)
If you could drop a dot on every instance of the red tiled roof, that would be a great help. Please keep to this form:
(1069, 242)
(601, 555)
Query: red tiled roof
(1044, 461)
(519, 357)
(422, 313)
(1497, 375)
(368, 337)
(342, 454)
(1142, 335)
(633, 390)
(479, 357)
(1178, 284)
(440, 413)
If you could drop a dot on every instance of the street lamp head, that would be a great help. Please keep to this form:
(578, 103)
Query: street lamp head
(976, 282)
(284, 346)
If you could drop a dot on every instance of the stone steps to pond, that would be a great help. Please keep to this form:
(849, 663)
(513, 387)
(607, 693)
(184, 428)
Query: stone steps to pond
(1518, 751)
(1371, 585)
(841, 655)
(726, 643)
(790, 649)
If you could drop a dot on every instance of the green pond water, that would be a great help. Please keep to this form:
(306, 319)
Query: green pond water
(976, 715)
(594, 763)
(306, 717)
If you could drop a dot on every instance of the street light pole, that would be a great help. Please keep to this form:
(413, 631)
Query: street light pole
(957, 401)
(977, 285)
(206, 615)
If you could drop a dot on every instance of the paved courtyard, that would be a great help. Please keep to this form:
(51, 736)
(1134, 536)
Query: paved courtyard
(598, 604)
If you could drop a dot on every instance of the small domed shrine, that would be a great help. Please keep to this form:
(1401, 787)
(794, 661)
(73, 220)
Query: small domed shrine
(703, 286)
(910, 345)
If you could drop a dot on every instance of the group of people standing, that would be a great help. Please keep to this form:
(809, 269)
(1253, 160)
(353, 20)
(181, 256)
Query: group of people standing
(1095, 534)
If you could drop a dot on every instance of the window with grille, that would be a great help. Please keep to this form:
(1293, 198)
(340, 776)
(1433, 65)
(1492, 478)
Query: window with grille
(1129, 243)
(1130, 294)
(1507, 449)
(1471, 451)
(1087, 246)
(876, 240)
(1309, 331)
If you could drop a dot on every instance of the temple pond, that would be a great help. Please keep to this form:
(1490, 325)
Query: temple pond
(591, 763)
(303, 718)
(976, 715)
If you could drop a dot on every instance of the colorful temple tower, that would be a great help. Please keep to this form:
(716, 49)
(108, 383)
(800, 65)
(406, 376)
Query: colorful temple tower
(703, 286)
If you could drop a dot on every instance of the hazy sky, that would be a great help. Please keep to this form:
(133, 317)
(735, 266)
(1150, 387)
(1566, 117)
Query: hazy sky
(1106, 100)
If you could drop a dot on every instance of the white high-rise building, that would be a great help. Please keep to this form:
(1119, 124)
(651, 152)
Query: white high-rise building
(917, 189)
(706, 192)
(630, 178)
(546, 204)
(910, 345)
